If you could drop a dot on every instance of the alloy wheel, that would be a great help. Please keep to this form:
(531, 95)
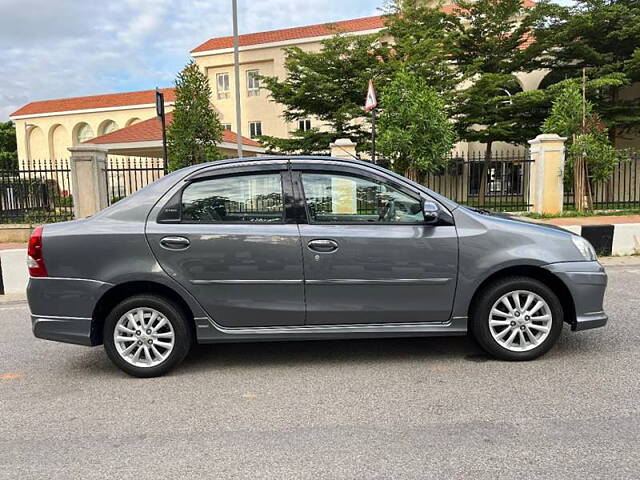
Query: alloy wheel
(520, 320)
(144, 337)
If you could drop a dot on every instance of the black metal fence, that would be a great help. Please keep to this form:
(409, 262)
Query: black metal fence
(506, 180)
(621, 191)
(127, 175)
(38, 192)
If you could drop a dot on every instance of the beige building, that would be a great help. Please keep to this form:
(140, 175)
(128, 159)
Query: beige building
(263, 54)
(124, 122)
(46, 129)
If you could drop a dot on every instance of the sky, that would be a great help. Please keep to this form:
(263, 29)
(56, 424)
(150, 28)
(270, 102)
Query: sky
(65, 48)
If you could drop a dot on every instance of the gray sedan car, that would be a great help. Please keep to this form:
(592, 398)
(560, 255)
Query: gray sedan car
(303, 248)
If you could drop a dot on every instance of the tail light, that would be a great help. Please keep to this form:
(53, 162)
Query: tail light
(35, 259)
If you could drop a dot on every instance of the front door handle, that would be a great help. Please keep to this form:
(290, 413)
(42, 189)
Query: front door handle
(323, 246)
(175, 243)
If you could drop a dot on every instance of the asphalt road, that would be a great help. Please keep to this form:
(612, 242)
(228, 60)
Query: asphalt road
(410, 408)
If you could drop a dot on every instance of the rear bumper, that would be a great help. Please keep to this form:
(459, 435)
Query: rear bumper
(63, 329)
(62, 309)
(587, 282)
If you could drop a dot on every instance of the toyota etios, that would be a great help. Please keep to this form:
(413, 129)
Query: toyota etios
(303, 248)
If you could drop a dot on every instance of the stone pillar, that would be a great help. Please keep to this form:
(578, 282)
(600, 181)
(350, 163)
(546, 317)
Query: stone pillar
(547, 174)
(88, 179)
(343, 148)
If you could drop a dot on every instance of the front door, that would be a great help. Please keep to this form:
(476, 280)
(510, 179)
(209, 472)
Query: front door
(233, 249)
(368, 255)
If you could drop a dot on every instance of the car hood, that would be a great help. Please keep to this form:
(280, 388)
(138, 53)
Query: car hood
(519, 219)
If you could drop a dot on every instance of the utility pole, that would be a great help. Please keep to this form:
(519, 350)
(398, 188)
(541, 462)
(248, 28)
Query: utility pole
(236, 73)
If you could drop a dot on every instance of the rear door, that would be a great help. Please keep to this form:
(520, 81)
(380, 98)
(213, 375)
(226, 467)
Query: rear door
(225, 237)
(368, 255)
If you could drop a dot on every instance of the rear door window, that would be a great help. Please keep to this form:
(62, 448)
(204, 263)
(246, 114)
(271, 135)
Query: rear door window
(245, 198)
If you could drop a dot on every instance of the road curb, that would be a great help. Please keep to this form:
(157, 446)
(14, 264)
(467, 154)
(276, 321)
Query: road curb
(610, 239)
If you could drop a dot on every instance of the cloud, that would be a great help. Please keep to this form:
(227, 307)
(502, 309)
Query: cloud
(63, 48)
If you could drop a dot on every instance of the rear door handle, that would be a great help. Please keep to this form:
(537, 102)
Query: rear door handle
(175, 243)
(323, 246)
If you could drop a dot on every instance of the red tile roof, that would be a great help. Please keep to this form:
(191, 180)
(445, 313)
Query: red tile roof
(528, 40)
(319, 30)
(150, 130)
(310, 31)
(95, 101)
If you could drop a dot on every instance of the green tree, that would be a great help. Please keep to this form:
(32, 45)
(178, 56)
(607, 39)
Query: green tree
(567, 114)
(8, 146)
(422, 42)
(483, 113)
(487, 45)
(329, 85)
(590, 155)
(603, 37)
(196, 130)
(415, 132)
(491, 36)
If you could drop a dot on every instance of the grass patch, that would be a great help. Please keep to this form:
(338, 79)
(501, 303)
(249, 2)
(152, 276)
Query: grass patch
(574, 213)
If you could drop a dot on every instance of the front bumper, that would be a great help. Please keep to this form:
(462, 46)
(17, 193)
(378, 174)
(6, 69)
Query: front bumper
(587, 282)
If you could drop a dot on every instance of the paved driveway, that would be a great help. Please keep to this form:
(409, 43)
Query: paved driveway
(410, 408)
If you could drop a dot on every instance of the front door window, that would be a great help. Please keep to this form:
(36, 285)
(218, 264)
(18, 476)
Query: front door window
(339, 198)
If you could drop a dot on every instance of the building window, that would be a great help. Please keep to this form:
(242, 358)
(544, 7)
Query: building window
(255, 129)
(226, 126)
(83, 133)
(222, 82)
(253, 83)
(108, 127)
(503, 178)
(304, 125)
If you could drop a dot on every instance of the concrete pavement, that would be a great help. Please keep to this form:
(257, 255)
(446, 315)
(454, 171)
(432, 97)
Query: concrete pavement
(408, 408)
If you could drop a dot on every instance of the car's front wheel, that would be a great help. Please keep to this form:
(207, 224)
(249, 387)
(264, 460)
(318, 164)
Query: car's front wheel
(517, 318)
(146, 335)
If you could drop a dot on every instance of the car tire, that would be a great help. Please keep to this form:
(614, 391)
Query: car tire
(532, 334)
(162, 339)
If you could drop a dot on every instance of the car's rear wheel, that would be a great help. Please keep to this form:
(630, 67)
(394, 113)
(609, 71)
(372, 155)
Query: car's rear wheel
(517, 318)
(146, 335)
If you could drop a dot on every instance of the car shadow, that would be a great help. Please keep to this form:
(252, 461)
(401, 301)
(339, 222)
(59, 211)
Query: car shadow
(259, 355)
(318, 352)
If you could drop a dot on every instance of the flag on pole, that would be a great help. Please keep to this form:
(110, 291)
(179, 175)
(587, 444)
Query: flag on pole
(372, 98)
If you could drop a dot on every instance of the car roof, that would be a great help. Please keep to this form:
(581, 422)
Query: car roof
(271, 158)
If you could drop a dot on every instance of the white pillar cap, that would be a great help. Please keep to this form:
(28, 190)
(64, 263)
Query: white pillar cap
(343, 142)
(547, 137)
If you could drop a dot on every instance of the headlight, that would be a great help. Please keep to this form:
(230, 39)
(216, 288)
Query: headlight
(585, 248)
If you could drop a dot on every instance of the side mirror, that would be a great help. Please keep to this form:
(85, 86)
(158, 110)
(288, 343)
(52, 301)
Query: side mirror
(430, 211)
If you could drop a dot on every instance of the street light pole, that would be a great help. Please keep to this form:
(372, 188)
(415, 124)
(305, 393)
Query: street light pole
(236, 73)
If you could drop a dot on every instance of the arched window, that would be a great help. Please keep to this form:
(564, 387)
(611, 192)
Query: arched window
(108, 126)
(84, 132)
